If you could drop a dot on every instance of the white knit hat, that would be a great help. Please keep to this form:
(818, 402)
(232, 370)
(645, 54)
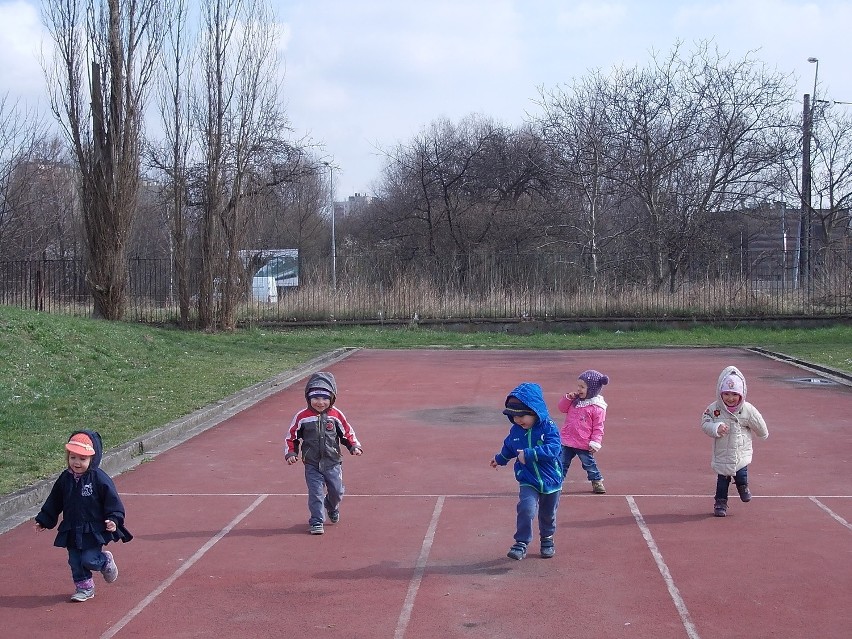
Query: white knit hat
(732, 384)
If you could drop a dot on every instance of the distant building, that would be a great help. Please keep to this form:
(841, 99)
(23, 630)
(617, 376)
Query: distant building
(352, 204)
(770, 242)
(773, 227)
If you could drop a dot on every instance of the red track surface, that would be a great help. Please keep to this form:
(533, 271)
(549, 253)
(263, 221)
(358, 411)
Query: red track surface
(222, 549)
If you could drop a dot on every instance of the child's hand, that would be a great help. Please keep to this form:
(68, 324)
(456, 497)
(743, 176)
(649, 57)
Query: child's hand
(572, 395)
(721, 429)
(292, 460)
(357, 450)
(38, 527)
(110, 525)
(494, 464)
(521, 457)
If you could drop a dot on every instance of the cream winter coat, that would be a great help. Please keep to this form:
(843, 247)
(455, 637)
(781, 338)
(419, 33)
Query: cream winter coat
(732, 451)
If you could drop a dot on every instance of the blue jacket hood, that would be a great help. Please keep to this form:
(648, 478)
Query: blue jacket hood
(530, 394)
(541, 444)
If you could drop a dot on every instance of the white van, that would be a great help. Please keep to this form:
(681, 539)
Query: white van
(263, 289)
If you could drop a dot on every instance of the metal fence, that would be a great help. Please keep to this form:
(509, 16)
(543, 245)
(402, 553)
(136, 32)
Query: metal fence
(473, 287)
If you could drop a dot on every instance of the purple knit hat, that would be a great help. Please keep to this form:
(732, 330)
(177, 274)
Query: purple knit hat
(594, 380)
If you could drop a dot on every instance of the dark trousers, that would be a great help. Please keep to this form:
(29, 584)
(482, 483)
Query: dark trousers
(83, 562)
(724, 481)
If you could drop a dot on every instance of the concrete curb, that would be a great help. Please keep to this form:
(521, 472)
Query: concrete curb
(834, 374)
(24, 504)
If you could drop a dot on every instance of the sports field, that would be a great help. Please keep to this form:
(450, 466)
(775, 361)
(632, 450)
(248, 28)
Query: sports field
(222, 548)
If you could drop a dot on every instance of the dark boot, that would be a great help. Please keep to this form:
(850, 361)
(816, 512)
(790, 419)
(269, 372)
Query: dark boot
(745, 493)
(720, 508)
(547, 547)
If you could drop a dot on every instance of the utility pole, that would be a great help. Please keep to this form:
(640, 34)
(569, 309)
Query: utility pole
(805, 217)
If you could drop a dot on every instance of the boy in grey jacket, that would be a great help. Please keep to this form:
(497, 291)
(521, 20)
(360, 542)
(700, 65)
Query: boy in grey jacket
(732, 421)
(315, 434)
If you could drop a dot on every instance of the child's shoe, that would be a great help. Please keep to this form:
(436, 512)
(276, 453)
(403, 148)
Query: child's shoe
(517, 551)
(334, 516)
(110, 570)
(720, 508)
(82, 594)
(85, 590)
(598, 487)
(547, 547)
(316, 529)
(745, 493)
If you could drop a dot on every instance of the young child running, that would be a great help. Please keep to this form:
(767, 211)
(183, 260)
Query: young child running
(732, 421)
(533, 443)
(92, 514)
(583, 430)
(316, 433)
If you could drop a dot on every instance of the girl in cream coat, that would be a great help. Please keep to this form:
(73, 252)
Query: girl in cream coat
(732, 422)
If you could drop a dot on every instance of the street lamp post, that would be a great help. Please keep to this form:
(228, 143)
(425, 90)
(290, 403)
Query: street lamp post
(806, 217)
(333, 236)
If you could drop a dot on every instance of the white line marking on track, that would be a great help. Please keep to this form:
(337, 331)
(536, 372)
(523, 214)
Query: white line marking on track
(664, 570)
(833, 514)
(182, 569)
(419, 569)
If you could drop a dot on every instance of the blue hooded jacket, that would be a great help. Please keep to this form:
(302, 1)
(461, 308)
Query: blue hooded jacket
(541, 444)
(85, 504)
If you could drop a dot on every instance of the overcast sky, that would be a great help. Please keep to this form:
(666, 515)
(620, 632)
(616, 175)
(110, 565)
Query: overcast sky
(360, 76)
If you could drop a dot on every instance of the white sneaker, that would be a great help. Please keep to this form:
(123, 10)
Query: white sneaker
(82, 594)
(110, 571)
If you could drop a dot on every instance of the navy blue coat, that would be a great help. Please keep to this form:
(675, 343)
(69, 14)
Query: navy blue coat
(85, 504)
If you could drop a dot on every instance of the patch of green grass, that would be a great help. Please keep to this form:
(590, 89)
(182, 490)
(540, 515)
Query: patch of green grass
(59, 373)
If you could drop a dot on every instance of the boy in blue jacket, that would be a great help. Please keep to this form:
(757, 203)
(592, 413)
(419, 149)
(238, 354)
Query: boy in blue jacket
(92, 514)
(534, 444)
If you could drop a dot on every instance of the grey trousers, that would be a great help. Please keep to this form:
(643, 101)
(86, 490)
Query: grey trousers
(325, 491)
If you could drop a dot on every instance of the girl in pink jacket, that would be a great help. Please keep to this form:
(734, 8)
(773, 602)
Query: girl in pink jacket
(583, 429)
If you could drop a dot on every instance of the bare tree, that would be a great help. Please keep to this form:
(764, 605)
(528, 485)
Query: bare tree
(42, 212)
(575, 125)
(694, 135)
(289, 214)
(170, 159)
(832, 173)
(455, 188)
(116, 44)
(241, 134)
(20, 166)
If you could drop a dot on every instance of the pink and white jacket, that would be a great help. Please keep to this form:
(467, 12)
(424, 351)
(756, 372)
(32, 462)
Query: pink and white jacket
(584, 422)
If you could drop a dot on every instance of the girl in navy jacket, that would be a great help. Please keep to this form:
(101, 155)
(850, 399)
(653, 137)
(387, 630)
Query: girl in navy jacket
(92, 514)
